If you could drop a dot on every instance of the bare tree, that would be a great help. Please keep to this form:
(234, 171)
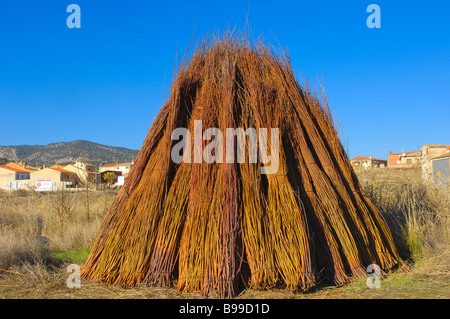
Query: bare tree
(88, 188)
(63, 202)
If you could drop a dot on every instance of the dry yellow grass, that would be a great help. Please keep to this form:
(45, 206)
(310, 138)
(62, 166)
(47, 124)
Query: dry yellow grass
(417, 214)
(60, 217)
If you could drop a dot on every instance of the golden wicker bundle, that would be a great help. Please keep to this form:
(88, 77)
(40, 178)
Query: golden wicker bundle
(223, 226)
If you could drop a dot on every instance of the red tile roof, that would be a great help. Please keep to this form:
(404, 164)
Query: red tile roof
(15, 169)
(109, 165)
(361, 157)
(60, 170)
(357, 158)
(408, 153)
(17, 165)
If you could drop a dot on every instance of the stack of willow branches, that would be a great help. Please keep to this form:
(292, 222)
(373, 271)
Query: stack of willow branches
(225, 226)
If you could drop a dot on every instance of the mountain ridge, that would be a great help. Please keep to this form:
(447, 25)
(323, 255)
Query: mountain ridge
(66, 152)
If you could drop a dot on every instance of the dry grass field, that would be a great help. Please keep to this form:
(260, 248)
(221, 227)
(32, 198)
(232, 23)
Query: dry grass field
(30, 268)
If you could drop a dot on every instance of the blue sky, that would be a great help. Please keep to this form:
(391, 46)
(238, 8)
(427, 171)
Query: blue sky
(105, 82)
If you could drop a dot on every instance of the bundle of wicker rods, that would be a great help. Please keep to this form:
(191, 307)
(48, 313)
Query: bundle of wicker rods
(225, 226)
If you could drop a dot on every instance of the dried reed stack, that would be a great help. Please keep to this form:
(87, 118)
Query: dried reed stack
(204, 227)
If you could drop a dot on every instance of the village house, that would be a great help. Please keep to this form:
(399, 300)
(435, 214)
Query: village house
(368, 162)
(22, 176)
(84, 171)
(14, 177)
(404, 159)
(432, 157)
(52, 178)
(433, 150)
(22, 165)
(124, 168)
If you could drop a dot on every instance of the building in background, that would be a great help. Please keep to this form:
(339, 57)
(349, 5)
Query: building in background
(368, 162)
(22, 165)
(84, 171)
(22, 176)
(14, 177)
(404, 159)
(52, 178)
(433, 150)
(433, 156)
(124, 168)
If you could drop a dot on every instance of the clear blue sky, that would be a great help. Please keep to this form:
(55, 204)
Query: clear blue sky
(105, 82)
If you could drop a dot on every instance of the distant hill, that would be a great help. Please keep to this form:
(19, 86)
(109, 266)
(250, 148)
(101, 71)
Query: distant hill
(67, 152)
